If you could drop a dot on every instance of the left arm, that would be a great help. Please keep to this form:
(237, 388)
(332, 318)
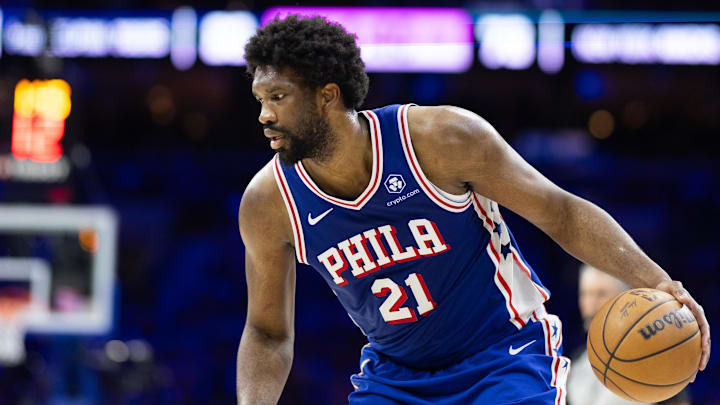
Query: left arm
(457, 148)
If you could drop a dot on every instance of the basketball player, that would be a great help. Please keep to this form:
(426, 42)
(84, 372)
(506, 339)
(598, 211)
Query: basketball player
(397, 208)
(595, 289)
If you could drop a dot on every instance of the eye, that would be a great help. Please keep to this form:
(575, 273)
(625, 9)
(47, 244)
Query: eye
(277, 97)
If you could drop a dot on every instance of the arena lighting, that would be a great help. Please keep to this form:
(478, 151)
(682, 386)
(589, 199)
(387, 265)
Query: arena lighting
(122, 37)
(551, 42)
(41, 107)
(644, 16)
(506, 41)
(223, 35)
(141, 37)
(183, 39)
(401, 39)
(74, 37)
(427, 40)
(23, 39)
(636, 43)
(1, 30)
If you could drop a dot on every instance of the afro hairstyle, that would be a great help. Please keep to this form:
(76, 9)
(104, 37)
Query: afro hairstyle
(318, 50)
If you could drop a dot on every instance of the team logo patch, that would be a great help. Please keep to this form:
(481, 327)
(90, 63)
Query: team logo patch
(395, 183)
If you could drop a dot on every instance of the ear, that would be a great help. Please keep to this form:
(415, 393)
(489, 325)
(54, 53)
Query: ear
(330, 97)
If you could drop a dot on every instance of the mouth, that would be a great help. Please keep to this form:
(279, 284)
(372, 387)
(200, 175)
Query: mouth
(277, 139)
(277, 142)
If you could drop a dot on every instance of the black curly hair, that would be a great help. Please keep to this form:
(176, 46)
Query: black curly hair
(318, 50)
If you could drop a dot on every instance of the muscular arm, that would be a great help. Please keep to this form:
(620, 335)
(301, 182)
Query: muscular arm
(266, 348)
(459, 150)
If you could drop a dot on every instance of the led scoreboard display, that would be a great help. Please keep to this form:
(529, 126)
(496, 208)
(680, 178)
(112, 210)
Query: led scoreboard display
(40, 110)
(435, 39)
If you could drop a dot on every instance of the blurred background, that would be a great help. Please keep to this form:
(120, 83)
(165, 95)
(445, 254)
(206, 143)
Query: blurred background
(128, 134)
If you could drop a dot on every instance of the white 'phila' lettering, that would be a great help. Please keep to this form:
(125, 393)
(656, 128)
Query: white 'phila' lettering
(382, 257)
(386, 251)
(389, 232)
(335, 264)
(426, 233)
(355, 251)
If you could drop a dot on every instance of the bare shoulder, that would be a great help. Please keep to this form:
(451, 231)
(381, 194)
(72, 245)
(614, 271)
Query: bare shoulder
(455, 121)
(262, 216)
(446, 139)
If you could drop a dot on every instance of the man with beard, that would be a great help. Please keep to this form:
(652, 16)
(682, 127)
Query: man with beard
(397, 208)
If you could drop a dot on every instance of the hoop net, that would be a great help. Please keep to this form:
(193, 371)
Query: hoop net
(13, 310)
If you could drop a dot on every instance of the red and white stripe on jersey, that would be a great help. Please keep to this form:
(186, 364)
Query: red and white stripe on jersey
(560, 366)
(377, 168)
(430, 189)
(292, 210)
(512, 277)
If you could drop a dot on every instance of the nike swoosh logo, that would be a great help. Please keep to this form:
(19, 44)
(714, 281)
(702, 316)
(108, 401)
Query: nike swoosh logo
(519, 349)
(313, 221)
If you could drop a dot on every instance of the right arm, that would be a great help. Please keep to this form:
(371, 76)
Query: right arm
(266, 348)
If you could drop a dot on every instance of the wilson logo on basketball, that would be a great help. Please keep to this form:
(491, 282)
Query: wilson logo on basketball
(675, 318)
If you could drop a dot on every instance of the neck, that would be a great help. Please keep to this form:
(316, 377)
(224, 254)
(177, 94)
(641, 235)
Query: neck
(346, 172)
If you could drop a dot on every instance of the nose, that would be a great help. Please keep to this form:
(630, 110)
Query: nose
(267, 115)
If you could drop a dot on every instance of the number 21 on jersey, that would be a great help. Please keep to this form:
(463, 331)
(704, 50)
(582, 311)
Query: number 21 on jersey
(392, 310)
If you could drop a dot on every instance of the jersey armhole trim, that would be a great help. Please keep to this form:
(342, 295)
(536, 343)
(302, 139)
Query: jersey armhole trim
(295, 220)
(489, 214)
(445, 200)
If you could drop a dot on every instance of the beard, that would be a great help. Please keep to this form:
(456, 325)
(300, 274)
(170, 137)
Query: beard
(312, 138)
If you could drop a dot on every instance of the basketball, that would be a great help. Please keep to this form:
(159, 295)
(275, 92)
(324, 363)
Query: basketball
(644, 345)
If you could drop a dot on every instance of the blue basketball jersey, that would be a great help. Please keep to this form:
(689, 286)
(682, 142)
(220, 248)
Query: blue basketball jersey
(430, 278)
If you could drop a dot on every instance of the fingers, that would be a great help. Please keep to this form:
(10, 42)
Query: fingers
(682, 295)
(699, 314)
(677, 290)
(705, 332)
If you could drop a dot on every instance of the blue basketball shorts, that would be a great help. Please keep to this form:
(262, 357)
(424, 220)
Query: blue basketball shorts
(524, 368)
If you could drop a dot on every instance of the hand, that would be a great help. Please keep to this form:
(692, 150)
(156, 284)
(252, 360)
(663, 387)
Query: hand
(676, 289)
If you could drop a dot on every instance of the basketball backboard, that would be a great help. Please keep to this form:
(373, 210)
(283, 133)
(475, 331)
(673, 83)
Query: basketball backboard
(65, 257)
